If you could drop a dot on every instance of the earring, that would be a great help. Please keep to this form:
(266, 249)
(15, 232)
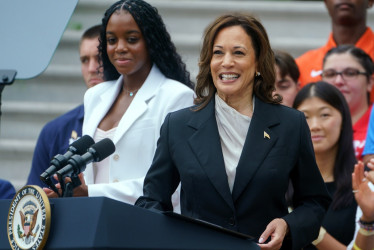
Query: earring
(258, 73)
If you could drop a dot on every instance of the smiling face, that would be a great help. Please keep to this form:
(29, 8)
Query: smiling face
(325, 123)
(126, 46)
(354, 90)
(233, 64)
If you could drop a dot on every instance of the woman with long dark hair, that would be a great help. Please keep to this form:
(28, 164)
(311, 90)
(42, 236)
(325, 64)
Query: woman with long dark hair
(146, 80)
(330, 124)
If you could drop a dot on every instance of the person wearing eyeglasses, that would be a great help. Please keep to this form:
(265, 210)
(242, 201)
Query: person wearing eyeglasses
(350, 69)
(348, 26)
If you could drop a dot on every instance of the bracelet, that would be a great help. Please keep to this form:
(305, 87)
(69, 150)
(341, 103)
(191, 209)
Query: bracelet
(369, 226)
(366, 222)
(321, 234)
(355, 247)
(365, 232)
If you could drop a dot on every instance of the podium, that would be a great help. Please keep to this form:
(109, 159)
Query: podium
(103, 223)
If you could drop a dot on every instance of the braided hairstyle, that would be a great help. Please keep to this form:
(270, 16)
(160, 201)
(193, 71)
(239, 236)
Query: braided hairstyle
(161, 49)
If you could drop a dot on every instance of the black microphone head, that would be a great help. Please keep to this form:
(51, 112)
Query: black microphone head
(102, 149)
(81, 145)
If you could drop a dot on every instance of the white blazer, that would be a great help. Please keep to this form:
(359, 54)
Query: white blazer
(137, 132)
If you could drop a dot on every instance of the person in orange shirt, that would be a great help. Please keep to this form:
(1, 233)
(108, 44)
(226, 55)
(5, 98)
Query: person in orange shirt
(349, 26)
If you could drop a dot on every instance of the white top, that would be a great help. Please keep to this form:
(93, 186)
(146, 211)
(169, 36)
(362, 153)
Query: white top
(232, 128)
(137, 133)
(101, 169)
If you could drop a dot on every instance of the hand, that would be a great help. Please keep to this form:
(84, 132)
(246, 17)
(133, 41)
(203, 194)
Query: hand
(362, 192)
(50, 193)
(81, 190)
(277, 230)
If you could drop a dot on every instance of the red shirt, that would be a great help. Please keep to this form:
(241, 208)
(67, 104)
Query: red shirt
(310, 63)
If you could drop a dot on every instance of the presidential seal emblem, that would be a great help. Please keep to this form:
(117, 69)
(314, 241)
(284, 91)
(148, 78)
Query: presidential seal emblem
(29, 219)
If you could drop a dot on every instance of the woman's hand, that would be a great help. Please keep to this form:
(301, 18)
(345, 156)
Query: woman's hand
(363, 194)
(50, 193)
(277, 230)
(81, 190)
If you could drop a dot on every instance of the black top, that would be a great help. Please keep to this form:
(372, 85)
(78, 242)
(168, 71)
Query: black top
(339, 223)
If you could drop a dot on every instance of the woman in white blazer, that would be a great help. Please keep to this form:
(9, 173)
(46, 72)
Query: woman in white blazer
(146, 79)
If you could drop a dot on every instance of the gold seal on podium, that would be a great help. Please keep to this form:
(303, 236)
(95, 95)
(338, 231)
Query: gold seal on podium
(29, 219)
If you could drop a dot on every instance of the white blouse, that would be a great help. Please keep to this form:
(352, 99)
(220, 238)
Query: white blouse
(101, 169)
(232, 128)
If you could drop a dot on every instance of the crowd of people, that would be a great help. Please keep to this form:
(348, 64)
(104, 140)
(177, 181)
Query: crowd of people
(275, 147)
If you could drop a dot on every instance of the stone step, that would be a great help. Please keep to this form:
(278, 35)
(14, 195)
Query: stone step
(59, 83)
(24, 120)
(15, 160)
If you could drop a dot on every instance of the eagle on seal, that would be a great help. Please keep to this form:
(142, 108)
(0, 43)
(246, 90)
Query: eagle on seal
(28, 221)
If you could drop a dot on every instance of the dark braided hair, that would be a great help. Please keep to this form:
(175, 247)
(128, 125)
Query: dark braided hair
(161, 49)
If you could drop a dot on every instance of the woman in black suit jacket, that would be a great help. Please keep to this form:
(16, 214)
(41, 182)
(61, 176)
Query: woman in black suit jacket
(236, 150)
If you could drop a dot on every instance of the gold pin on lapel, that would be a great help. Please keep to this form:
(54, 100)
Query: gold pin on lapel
(74, 135)
(266, 135)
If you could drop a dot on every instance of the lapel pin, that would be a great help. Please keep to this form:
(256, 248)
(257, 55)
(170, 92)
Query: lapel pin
(266, 135)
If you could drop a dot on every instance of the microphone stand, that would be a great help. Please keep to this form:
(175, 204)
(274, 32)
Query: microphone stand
(50, 184)
(77, 163)
(69, 186)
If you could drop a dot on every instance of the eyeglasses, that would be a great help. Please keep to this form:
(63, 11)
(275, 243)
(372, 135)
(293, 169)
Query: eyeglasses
(347, 74)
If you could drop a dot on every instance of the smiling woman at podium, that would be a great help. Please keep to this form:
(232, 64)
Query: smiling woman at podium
(236, 150)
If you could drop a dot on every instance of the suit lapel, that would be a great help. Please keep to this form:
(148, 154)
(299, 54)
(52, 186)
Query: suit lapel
(260, 139)
(139, 104)
(205, 144)
(102, 105)
(136, 109)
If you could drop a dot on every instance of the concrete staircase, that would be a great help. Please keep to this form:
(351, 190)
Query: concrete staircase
(294, 26)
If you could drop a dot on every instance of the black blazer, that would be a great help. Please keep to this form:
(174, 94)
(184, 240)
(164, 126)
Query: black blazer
(189, 151)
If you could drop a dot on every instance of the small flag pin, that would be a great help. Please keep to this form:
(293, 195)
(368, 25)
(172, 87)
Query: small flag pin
(266, 135)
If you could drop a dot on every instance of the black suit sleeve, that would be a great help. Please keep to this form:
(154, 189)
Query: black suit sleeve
(311, 199)
(162, 178)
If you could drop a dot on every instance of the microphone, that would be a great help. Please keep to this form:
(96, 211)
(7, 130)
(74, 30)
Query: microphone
(77, 163)
(79, 146)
